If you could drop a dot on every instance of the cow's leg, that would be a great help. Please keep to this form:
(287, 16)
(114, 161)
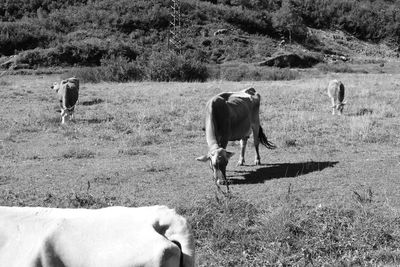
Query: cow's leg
(333, 106)
(340, 109)
(256, 132)
(63, 115)
(71, 112)
(243, 143)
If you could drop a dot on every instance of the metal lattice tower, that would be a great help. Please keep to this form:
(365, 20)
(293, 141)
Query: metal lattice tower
(175, 37)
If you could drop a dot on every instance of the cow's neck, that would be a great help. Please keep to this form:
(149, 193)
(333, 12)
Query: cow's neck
(213, 147)
(211, 136)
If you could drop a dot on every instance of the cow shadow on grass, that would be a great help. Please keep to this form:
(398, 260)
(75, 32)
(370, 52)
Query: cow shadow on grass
(277, 171)
(361, 112)
(92, 102)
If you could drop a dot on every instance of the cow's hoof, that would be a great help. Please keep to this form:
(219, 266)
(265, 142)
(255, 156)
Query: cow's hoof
(222, 182)
(257, 162)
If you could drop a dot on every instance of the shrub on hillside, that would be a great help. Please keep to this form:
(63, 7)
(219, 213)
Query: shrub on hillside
(112, 69)
(18, 36)
(120, 69)
(249, 21)
(169, 66)
(289, 22)
(88, 52)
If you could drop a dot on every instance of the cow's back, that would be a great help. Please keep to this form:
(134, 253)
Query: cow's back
(69, 92)
(230, 115)
(22, 233)
(341, 92)
(115, 236)
(333, 89)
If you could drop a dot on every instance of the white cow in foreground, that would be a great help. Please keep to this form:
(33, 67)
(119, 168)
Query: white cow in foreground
(68, 93)
(108, 237)
(336, 94)
(232, 116)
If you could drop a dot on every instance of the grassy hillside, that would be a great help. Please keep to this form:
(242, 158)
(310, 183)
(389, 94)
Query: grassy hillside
(49, 33)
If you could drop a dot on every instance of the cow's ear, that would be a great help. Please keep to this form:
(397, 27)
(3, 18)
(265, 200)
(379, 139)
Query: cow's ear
(203, 158)
(229, 154)
(250, 91)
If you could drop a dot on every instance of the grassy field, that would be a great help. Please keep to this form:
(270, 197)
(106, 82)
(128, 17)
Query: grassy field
(327, 195)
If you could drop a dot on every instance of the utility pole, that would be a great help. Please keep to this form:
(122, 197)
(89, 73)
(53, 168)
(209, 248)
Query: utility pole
(175, 37)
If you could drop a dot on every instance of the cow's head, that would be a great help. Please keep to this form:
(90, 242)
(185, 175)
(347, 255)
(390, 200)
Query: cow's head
(55, 86)
(340, 106)
(218, 159)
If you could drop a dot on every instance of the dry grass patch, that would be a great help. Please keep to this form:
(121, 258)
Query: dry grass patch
(138, 147)
(78, 153)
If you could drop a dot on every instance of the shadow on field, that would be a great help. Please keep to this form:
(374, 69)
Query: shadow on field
(279, 170)
(92, 102)
(361, 112)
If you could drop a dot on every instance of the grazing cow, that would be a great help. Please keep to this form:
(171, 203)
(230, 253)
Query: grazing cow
(68, 93)
(336, 94)
(114, 236)
(229, 117)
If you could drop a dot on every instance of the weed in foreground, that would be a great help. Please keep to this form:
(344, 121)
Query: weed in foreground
(290, 143)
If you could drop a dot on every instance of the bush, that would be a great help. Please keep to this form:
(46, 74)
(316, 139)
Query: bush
(169, 66)
(17, 36)
(88, 52)
(112, 69)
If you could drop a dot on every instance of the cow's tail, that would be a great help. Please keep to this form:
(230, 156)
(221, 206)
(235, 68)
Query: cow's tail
(186, 245)
(263, 139)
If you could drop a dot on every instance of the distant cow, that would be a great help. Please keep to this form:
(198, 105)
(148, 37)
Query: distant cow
(336, 94)
(68, 93)
(114, 236)
(232, 116)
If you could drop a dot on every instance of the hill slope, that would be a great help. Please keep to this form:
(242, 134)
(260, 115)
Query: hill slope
(83, 33)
